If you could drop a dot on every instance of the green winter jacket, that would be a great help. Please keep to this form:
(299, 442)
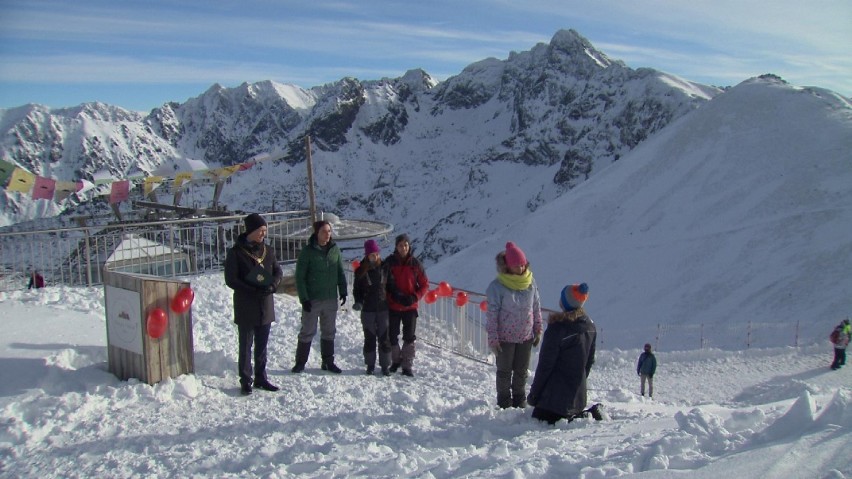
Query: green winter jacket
(319, 272)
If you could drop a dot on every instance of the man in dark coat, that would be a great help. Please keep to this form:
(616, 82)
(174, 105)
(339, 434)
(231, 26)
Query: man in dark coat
(567, 353)
(252, 271)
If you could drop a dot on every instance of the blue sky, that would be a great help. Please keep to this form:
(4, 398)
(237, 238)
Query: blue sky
(141, 54)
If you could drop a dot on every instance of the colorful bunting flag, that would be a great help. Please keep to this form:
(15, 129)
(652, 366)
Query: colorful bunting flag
(22, 181)
(182, 178)
(14, 178)
(43, 188)
(6, 170)
(119, 192)
(152, 182)
(84, 186)
(64, 190)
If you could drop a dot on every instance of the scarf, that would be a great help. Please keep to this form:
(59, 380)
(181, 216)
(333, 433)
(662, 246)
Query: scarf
(517, 282)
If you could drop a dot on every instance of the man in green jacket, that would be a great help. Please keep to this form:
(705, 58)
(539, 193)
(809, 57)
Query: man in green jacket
(320, 282)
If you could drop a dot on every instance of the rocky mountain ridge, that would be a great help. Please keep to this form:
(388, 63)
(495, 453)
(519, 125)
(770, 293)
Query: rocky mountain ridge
(423, 155)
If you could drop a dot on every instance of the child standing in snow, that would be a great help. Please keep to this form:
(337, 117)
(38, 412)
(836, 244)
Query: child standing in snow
(371, 279)
(840, 337)
(645, 368)
(513, 324)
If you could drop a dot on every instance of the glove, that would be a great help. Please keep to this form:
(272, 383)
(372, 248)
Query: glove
(357, 306)
(536, 339)
(271, 289)
(496, 349)
(342, 300)
(306, 306)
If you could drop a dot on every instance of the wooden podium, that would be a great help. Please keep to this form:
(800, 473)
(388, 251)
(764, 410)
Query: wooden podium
(133, 353)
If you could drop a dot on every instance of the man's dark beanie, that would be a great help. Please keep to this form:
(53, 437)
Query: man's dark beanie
(253, 222)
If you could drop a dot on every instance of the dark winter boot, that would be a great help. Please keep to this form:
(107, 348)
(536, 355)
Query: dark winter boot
(370, 360)
(245, 388)
(504, 391)
(396, 362)
(327, 351)
(407, 355)
(303, 350)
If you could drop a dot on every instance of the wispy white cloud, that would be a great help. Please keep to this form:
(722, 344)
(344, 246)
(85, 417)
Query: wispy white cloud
(164, 42)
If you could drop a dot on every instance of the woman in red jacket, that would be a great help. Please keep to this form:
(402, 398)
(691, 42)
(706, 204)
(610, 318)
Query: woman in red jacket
(406, 285)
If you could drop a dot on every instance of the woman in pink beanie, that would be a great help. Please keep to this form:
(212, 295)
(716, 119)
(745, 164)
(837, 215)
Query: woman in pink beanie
(513, 323)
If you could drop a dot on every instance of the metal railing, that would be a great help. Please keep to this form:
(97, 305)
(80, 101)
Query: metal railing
(460, 329)
(77, 256)
(170, 248)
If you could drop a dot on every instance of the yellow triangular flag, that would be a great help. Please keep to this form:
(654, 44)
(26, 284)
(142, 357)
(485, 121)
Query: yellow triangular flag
(21, 181)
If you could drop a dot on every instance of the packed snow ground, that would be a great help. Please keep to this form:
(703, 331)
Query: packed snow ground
(757, 413)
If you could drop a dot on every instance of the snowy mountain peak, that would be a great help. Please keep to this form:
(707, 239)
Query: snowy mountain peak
(575, 46)
(418, 80)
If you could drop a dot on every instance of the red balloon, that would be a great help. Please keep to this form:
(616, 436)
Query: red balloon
(483, 306)
(158, 322)
(461, 299)
(182, 300)
(355, 264)
(444, 289)
(431, 296)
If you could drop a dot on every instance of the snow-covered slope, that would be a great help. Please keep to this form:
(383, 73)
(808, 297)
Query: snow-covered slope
(774, 413)
(740, 211)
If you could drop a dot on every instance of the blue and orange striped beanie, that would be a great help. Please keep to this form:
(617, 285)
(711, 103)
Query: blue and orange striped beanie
(573, 296)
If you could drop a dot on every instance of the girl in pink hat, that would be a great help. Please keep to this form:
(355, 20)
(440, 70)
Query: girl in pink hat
(513, 323)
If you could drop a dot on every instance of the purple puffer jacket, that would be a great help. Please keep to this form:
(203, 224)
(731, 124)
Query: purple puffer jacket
(513, 316)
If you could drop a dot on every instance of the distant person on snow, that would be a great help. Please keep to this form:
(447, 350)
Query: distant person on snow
(369, 291)
(513, 324)
(567, 353)
(645, 368)
(36, 280)
(840, 338)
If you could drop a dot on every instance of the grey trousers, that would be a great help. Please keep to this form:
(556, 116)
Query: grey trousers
(513, 364)
(650, 380)
(325, 312)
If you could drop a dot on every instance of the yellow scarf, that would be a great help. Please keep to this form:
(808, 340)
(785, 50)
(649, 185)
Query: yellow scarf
(518, 282)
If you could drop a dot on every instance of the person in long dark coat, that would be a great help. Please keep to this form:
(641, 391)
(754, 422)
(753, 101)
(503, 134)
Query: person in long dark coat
(252, 271)
(567, 353)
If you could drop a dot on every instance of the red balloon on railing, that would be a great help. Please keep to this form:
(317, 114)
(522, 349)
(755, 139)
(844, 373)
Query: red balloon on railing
(483, 306)
(461, 299)
(355, 264)
(444, 289)
(182, 300)
(157, 323)
(431, 296)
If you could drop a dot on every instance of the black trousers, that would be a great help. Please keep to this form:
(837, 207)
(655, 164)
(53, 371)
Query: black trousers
(248, 336)
(839, 358)
(408, 320)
